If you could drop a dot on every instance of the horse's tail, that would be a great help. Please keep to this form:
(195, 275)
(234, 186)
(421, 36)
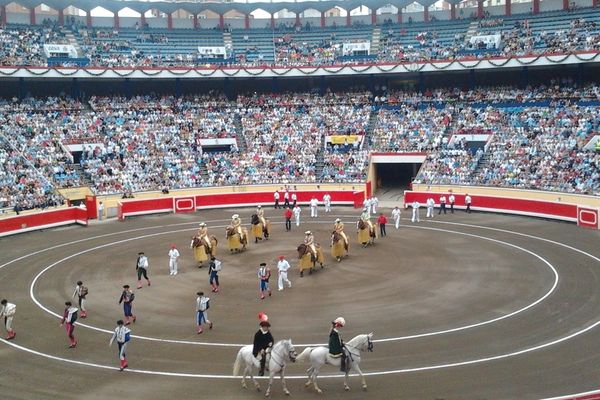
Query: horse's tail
(237, 363)
(305, 354)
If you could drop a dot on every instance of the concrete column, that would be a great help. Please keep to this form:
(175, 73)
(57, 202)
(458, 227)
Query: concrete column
(272, 21)
(452, 11)
(247, 21)
(61, 17)
(88, 18)
(221, 21)
(373, 16)
(117, 23)
(399, 16)
(170, 21)
(348, 19)
(322, 19)
(297, 19)
(32, 16)
(479, 9)
(143, 19)
(536, 6)
(426, 14)
(196, 25)
(508, 8)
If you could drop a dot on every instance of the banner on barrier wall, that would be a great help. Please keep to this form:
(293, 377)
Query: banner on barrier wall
(587, 217)
(184, 204)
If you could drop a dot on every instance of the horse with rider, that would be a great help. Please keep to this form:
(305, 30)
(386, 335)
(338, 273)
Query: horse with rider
(310, 253)
(366, 230)
(203, 245)
(261, 227)
(339, 241)
(237, 236)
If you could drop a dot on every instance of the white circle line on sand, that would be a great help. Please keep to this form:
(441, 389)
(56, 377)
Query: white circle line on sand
(392, 339)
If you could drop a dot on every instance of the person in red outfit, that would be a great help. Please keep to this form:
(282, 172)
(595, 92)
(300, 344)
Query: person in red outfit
(382, 220)
(288, 218)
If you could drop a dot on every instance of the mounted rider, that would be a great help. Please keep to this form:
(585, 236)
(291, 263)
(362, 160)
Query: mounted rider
(261, 215)
(263, 342)
(366, 218)
(203, 236)
(338, 227)
(309, 241)
(336, 344)
(236, 223)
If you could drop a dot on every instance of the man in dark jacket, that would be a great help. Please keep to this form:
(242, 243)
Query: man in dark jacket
(336, 344)
(263, 340)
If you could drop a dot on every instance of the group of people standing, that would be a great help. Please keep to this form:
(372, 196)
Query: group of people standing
(443, 202)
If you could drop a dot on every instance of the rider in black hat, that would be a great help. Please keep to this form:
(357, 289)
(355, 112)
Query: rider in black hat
(263, 340)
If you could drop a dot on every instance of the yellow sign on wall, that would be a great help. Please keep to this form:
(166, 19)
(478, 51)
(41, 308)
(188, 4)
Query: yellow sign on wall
(78, 193)
(342, 139)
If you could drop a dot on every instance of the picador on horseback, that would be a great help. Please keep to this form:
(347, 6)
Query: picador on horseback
(339, 241)
(260, 225)
(203, 245)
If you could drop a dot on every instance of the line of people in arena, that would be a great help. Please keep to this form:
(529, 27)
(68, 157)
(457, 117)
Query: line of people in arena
(23, 45)
(119, 144)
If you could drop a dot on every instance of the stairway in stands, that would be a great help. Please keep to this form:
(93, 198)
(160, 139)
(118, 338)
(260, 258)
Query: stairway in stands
(375, 38)
(369, 129)
(72, 41)
(319, 162)
(472, 31)
(84, 177)
(239, 133)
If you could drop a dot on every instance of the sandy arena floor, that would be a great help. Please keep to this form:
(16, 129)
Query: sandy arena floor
(475, 306)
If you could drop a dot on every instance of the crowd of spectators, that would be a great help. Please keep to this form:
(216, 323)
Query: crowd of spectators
(528, 138)
(23, 45)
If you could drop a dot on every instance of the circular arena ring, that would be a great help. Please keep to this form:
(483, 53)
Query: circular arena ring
(474, 306)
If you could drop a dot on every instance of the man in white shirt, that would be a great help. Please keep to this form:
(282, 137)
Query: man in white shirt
(297, 212)
(81, 293)
(276, 197)
(173, 257)
(100, 211)
(415, 211)
(286, 198)
(327, 202)
(451, 199)
(468, 203)
(8, 312)
(430, 205)
(141, 267)
(396, 217)
(294, 199)
(282, 268)
(442, 205)
(313, 207)
(374, 204)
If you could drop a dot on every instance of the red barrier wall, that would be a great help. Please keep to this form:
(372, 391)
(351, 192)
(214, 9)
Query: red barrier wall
(535, 208)
(165, 204)
(42, 220)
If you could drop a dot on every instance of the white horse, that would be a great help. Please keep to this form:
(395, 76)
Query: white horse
(281, 352)
(319, 356)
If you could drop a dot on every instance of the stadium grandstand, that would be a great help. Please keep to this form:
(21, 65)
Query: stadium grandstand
(210, 94)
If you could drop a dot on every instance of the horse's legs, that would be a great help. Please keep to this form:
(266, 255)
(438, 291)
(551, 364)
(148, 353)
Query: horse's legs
(268, 392)
(244, 378)
(315, 374)
(362, 377)
(285, 389)
(310, 374)
(256, 384)
(346, 387)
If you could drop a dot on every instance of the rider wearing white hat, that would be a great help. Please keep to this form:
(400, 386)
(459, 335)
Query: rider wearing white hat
(336, 344)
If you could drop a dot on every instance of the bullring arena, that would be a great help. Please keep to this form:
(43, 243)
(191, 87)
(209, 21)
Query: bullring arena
(473, 306)
(133, 131)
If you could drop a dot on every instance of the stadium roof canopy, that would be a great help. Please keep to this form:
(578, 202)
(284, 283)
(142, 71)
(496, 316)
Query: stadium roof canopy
(196, 7)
